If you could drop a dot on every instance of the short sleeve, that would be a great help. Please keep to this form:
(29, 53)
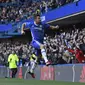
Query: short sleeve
(17, 58)
(9, 58)
(46, 26)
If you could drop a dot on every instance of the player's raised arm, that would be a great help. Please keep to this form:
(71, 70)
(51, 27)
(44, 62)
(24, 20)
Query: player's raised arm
(50, 26)
(23, 28)
(54, 27)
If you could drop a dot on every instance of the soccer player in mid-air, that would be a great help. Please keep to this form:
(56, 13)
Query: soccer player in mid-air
(37, 31)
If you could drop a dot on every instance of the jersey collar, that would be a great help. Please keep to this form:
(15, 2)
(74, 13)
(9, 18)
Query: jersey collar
(35, 23)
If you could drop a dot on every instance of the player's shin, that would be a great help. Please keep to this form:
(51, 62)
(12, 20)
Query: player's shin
(31, 72)
(33, 65)
(44, 55)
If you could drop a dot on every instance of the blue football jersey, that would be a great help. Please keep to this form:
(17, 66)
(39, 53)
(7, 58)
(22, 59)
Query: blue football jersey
(37, 31)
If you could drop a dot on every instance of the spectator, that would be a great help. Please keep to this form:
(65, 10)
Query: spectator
(78, 54)
(14, 11)
(13, 60)
(54, 4)
(54, 46)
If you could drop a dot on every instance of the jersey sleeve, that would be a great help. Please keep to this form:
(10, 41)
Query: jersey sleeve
(17, 59)
(9, 58)
(70, 50)
(46, 26)
(28, 25)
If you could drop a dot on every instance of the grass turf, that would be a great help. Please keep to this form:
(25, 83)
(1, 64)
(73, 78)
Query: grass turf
(34, 82)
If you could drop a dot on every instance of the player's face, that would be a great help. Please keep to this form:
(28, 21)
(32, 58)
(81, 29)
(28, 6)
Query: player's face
(37, 20)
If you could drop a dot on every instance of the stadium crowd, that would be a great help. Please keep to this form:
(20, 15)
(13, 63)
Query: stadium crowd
(56, 47)
(17, 10)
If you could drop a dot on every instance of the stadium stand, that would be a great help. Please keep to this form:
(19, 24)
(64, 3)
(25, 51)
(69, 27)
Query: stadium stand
(65, 47)
(55, 46)
(12, 10)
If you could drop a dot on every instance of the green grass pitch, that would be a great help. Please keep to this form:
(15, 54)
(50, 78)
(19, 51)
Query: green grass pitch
(34, 82)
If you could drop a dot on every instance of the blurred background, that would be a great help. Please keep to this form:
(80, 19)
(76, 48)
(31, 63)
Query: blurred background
(68, 14)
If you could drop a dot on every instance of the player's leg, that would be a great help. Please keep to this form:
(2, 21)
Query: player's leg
(12, 71)
(43, 52)
(15, 72)
(32, 68)
(40, 46)
(32, 64)
(27, 71)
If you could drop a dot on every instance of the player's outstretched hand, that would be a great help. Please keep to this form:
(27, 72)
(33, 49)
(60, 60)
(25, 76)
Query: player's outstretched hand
(22, 32)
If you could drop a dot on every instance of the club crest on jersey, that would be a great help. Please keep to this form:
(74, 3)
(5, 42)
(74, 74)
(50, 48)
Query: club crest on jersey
(32, 25)
(40, 26)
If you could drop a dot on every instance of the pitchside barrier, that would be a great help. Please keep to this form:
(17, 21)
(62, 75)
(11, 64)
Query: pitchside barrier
(68, 72)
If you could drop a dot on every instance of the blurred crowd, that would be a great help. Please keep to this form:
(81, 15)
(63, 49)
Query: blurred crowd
(61, 49)
(19, 47)
(56, 47)
(18, 10)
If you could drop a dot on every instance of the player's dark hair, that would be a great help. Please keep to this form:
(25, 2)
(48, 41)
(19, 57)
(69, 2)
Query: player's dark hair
(36, 15)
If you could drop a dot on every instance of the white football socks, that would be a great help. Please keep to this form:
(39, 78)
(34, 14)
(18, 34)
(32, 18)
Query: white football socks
(44, 55)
